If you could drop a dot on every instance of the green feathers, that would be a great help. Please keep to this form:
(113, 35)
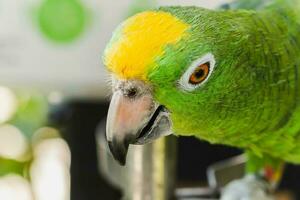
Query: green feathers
(251, 99)
(249, 5)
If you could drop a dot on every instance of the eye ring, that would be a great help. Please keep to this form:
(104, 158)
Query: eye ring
(197, 73)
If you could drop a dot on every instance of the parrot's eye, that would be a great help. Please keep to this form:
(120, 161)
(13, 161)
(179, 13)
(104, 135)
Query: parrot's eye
(197, 73)
(200, 74)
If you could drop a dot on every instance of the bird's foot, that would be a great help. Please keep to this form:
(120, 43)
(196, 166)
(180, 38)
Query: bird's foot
(248, 188)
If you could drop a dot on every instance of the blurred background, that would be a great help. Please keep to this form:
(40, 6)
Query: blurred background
(54, 98)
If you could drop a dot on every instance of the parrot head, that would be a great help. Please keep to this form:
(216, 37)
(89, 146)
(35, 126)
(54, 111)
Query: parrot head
(175, 70)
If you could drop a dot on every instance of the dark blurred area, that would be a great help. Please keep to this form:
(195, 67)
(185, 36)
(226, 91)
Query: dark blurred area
(79, 121)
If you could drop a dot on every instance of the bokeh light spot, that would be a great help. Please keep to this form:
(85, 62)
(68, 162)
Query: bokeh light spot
(13, 143)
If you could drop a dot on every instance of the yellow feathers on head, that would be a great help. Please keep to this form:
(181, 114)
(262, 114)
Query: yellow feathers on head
(140, 40)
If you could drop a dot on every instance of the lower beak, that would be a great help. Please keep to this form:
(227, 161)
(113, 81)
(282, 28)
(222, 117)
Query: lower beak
(134, 120)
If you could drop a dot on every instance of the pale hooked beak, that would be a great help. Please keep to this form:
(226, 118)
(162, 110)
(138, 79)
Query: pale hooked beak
(134, 118)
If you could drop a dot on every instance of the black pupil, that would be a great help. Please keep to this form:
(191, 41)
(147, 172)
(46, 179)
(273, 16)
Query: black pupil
(199, 73)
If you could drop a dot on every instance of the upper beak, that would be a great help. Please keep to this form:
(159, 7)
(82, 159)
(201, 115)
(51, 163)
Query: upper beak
(134, 119)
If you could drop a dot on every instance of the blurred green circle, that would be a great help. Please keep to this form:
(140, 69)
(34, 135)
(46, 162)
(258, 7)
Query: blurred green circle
(62, 20)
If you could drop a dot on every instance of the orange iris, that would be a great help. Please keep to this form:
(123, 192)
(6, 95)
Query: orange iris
(199, 74)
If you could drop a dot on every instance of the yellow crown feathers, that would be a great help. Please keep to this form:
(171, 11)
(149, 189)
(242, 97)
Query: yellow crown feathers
(140, 40)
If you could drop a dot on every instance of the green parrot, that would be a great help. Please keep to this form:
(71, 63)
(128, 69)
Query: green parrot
(228, 76)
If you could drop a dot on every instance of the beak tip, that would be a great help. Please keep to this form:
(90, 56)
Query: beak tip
(122, 162)
(119, 154)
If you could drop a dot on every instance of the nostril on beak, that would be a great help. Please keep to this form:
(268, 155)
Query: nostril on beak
(132, 92)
